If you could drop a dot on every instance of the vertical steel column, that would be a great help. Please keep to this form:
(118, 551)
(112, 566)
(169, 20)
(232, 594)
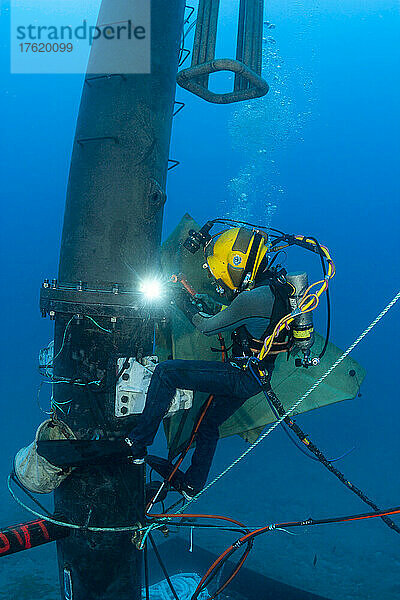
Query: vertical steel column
(111, 235)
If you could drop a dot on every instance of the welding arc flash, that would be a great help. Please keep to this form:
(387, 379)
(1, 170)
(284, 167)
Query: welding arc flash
(151, 289)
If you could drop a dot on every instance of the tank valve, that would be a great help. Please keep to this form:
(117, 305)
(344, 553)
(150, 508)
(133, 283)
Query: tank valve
(307, 361)
(303, 329)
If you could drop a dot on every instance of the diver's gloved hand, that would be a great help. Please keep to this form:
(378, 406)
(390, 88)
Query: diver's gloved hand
(208, 304)
(185, 302)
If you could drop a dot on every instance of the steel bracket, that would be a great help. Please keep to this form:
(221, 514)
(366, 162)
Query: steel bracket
(114, 303)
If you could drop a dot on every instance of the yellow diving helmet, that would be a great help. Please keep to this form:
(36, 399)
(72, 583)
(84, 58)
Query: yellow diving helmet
(235, 257)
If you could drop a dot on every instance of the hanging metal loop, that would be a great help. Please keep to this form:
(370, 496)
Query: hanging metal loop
(247, 64)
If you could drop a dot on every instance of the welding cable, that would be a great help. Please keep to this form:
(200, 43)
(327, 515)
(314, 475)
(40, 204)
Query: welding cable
(303, 449)
(220, 561)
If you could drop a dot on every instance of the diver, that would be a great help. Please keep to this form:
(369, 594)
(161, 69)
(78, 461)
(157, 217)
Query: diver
(237, 261)
(267, 311)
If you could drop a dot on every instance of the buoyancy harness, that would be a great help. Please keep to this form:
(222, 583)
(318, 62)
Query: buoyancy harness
(244, 344)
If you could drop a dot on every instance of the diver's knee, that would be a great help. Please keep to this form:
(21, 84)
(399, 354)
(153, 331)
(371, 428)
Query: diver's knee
(164, 370)
(166, 365)
(208, 431)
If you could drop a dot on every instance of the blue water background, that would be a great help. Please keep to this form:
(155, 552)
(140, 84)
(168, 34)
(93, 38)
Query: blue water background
(319, 155)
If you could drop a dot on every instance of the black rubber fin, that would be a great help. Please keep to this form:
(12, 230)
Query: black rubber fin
(164, 468)
(80, 453)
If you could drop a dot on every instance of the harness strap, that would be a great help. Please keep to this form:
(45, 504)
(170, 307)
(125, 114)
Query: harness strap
(281, 307)
(255, 246)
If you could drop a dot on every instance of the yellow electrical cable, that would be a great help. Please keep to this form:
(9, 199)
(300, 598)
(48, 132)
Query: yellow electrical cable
(308, 302)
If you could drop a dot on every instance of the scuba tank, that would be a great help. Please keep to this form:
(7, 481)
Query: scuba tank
(303, 328)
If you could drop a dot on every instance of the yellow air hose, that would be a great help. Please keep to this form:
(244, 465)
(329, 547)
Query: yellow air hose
(308, 302)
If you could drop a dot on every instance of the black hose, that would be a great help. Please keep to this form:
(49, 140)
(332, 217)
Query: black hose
(382, 514)
(277, 231)
(328, 300)
(202, 526)
(146, 572)
(164, 570)
(228, 221)
(277, 416)
(285, 427)
(273, 259)
(324, 461)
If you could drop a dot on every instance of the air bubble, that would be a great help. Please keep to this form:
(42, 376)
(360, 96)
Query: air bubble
(260, 131)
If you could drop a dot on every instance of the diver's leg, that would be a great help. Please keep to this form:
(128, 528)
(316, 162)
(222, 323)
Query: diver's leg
(221, 408)
(159, 396)
(219, 378)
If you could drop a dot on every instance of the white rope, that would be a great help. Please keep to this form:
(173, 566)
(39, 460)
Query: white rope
(296, 404)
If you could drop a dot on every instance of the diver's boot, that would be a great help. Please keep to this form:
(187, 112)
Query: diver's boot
(164, 468)
(137, 453)
(178, 481)
(188, 491)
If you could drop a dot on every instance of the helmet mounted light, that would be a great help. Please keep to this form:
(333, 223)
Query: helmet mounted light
(198, 239)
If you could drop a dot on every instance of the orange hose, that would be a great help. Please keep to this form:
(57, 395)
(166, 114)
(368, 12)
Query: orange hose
(182, 457)
(250, 535)
(228, 581)
(200, 516)
(223, 347)
(195, 430)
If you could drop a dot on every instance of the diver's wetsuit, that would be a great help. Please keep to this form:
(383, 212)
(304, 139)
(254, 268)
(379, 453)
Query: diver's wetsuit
(230, 385)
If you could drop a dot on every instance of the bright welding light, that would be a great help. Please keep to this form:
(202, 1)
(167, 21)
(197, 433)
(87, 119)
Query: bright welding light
(151, 289)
